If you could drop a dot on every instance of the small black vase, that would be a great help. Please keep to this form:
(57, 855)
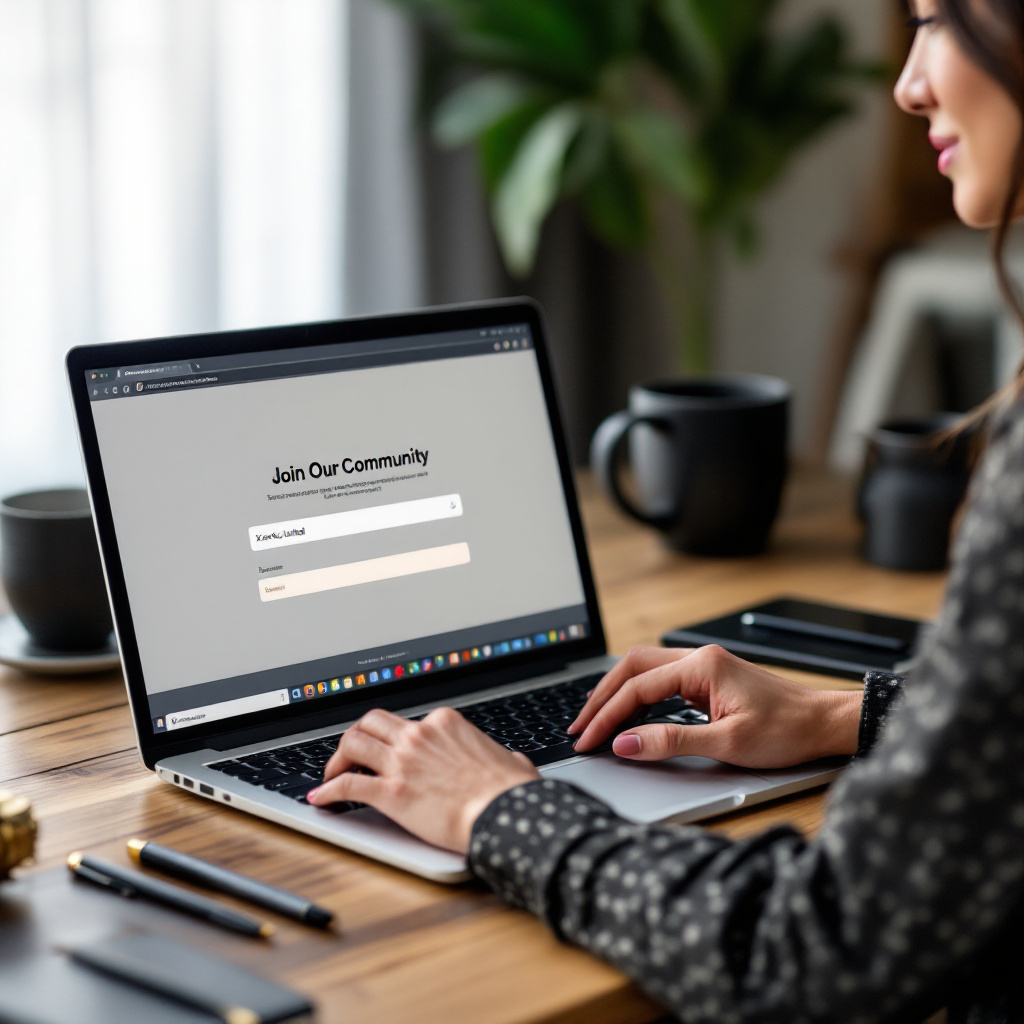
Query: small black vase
(910, 491)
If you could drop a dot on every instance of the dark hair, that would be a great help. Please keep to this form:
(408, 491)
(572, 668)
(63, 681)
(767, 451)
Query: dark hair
(991, 34)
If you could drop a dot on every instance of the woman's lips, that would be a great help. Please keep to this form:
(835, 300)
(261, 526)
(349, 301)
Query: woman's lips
(947, 148)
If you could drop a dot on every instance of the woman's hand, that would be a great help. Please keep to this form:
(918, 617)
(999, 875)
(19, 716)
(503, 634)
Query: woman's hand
(433, 777)
(757, 719)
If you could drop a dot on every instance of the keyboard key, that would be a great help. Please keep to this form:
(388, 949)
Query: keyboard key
(259, 761)
(291, 779)
(548, 755)
(299, 790)
(512, 733)
(266, 775)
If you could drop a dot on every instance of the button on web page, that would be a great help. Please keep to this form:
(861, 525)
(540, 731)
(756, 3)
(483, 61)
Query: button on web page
(360, 520)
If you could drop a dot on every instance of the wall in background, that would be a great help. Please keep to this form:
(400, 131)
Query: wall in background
(778, 313)
(168, 166)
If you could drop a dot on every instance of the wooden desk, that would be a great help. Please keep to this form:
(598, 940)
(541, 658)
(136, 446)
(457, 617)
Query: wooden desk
(409, 950)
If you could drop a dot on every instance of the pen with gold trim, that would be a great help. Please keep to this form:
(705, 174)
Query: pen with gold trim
(199, 872)
(131, 884)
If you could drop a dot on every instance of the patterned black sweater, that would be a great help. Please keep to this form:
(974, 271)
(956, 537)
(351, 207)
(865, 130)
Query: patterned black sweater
(911, 897)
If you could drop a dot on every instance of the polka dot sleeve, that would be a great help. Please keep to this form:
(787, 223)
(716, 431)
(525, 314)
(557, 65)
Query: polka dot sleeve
(911, 897)
(882, 693)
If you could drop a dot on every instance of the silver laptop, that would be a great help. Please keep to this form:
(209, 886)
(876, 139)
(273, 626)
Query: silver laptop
(301, 523)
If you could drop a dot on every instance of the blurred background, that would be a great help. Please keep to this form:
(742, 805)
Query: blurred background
(174, 166)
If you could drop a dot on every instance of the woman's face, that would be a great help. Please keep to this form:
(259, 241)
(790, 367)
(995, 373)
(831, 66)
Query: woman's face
(974, 124)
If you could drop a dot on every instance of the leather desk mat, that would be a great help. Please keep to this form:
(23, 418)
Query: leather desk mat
(45, 912)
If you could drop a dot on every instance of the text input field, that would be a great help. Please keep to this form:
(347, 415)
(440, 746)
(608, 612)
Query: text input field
(358, 520)
(371, 570)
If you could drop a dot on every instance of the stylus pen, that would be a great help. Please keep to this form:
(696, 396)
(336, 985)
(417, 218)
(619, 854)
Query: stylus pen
(198, 872)
(131, 884)
(815, 629)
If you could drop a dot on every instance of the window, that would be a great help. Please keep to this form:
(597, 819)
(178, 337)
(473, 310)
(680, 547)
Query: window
(169, 166)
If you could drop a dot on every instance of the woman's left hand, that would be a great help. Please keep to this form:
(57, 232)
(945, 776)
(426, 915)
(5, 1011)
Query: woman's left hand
(433, 777)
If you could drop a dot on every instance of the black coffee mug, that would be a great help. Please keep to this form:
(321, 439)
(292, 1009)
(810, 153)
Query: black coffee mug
(910, 491)
(50, 568)
(709, 460)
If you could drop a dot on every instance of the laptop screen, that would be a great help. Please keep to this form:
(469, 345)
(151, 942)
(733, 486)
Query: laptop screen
(305, 524)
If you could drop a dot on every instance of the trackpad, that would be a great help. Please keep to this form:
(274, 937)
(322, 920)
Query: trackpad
(682, 788)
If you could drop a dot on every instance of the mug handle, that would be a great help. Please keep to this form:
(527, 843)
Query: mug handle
(604, 461)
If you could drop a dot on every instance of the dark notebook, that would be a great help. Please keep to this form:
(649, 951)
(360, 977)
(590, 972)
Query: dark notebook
(860, 642)
(71, 954)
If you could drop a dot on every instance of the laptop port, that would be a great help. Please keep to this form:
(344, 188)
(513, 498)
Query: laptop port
(189, 783)
(205, 789)
(177, 780)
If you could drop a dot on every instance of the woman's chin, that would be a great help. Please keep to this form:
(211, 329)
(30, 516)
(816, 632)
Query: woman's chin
(974, 210)
(973, 217)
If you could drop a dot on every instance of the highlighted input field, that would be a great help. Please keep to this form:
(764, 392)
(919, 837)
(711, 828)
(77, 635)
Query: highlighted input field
(356, 521)
(372, 570)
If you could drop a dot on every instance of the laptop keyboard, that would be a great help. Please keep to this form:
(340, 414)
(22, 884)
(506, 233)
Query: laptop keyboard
(532, 723)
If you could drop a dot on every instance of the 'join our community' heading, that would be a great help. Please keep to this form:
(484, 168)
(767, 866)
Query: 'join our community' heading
(317, 470)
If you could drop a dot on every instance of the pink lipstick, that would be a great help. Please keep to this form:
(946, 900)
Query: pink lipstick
(947, 147)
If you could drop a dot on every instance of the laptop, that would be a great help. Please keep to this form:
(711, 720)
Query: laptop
(301, 523)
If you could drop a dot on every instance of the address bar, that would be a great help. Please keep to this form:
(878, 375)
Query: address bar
(359, 520)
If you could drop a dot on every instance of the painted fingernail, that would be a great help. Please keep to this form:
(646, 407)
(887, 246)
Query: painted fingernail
(626, 745)
(312, 793)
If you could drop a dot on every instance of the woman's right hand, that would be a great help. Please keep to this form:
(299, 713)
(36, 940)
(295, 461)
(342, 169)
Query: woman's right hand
(756, 719)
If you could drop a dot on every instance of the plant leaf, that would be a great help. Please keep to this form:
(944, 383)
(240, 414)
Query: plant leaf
(498, 145)
(588, 152)
(550, 39)
(474, 107)
(698, 59)
(531, 185)
(657, 146)
(614, 204)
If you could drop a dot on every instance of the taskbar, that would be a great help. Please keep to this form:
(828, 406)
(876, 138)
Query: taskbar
(318, 688)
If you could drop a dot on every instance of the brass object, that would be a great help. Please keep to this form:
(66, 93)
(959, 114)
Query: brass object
(17, 832)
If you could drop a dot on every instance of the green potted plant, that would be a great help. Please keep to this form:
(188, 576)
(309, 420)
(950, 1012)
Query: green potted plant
(665, 120)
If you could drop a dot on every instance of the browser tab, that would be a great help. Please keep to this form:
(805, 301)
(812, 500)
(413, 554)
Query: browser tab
(155, 370)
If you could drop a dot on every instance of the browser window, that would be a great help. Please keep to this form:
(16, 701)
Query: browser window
(301, 525)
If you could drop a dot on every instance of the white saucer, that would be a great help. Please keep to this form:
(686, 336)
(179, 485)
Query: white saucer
(18, 650)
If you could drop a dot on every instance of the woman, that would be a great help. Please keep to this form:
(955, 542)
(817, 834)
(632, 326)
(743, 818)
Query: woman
(912, 896)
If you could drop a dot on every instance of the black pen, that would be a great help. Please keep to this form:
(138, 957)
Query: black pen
(199, 872)
(131, 884)
(823, 632)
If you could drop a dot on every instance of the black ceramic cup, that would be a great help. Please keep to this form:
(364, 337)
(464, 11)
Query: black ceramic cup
(50, 568)
(910, 491)
(709, 459)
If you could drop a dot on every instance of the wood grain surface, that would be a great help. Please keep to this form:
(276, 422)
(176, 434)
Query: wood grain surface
(406, 949)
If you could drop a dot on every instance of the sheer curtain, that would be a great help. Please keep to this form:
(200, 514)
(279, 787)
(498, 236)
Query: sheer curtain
(166, 166)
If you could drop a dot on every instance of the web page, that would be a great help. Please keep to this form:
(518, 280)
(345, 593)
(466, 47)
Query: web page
(292, 538)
